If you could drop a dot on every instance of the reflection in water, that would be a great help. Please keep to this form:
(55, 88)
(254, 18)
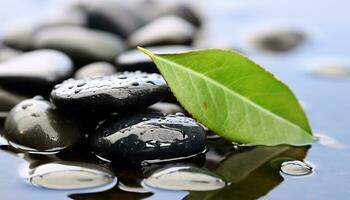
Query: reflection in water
(251, 172)
(185, 178)
(70, 175)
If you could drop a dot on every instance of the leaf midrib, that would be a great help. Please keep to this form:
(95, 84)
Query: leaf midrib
(257, 106)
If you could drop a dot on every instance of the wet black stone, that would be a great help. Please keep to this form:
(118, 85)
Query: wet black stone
(119, 18)
(81, 44)
(119, 92)
(134, 60)
(95, 69)
(279, 41)
(34, 126)
(35, 72)
(165, 30)
(152, 137)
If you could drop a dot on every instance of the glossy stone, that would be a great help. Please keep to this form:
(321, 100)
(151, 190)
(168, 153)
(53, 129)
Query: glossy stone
(34, 126)
(95, 69)
(278, 40)
(147, 138)
(165, 30)
(35, 71)
(116, 17)
(81, 44)
(119, 92)
(134, 60)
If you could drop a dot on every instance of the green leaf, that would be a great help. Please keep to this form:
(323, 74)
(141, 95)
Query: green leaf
(234, 97)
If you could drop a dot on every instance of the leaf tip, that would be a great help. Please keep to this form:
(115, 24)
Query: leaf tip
(145, 51)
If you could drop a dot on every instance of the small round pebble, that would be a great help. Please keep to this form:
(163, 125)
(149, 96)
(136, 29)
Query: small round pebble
(143, 137)
(95, 69)
(169, 29)
(34, 126)
(119, 92)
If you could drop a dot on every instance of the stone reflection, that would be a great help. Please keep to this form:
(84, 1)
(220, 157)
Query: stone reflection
(252, 172)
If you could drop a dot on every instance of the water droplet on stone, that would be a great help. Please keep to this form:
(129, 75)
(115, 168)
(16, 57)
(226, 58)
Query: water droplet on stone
(185, 178)
(35, 115)
(180, 114)
(77, 91)
(296, 168)
(81, 84)
(135, 84)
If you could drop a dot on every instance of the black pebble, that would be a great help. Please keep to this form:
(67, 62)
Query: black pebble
(34, 126)
(35, 72)
(152, 137)
(134, 60)
(119, 92)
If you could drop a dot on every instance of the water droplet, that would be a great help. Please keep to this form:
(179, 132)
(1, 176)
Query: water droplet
(135, 84)
(38, 98)
(35, 115)
(77, 90)
(25, 106)
(70, 175)
(180, 114)
(185, 178)
(81, 84)
(150, 82)
(296, 168)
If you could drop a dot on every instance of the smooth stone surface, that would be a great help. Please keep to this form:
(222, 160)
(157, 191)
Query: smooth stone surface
(20, 35)
(134, 60)
(35, 71)
(180, 9)
(147, 138)
(185, 178)
(34, 126)
(116, 17)
(95, 69)
(7, 53)
(81, 44)
(278, 40)
(165, 30)
(119, 92)
(63, 175)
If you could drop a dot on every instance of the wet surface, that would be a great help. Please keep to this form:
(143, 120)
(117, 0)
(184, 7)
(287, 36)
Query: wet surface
(254, 172)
